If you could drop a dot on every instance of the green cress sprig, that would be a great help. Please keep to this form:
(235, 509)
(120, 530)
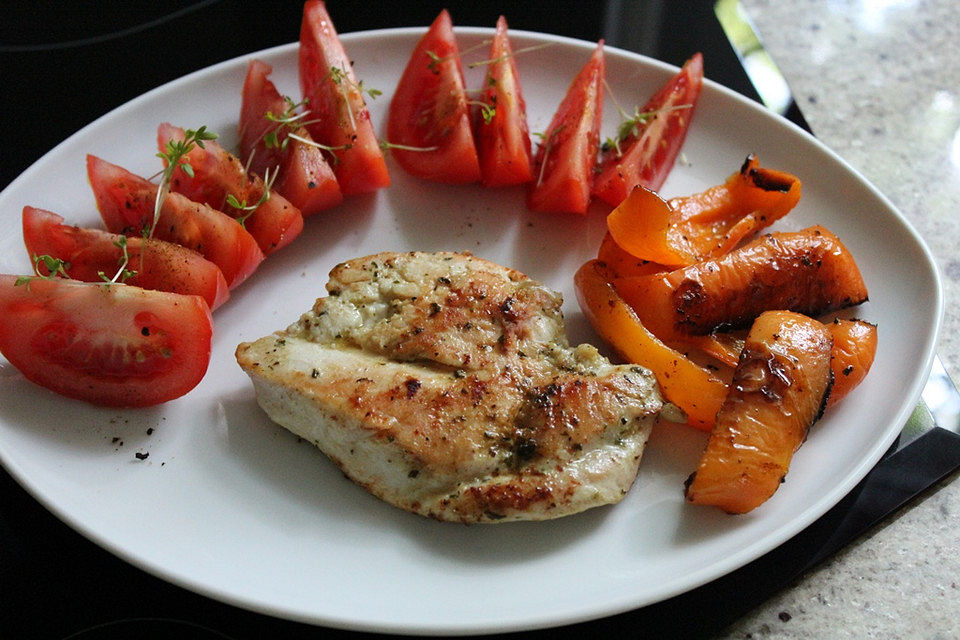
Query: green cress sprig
(488, 110)
(386, 145)
(342, 79)
(249, 209)
(289, 119)
(123, 273)
(173, 154)
(547, 143)
(436, 60)
(54, 266)
(474, 65)
(630, 126)
(630, 123)
(292, 120)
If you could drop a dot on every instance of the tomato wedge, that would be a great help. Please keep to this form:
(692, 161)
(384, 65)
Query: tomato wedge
(218, 174)
(115, 346)
(260, 97)
(335, 99)
(304, 176)
(503, 139)
(564, 166)
(429, 111)
(126, 203)
(158, 264)
(646, 151)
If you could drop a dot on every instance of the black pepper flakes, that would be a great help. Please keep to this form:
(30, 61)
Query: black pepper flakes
(509, 313)
(141, 456)
(412, 385)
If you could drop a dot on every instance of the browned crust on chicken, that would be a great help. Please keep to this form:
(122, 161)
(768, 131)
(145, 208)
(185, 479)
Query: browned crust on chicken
(443, 383)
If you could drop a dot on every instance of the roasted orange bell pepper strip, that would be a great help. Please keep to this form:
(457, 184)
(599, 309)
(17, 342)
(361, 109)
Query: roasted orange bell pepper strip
(777, 392)
(809, 271)
(684, 383)
(854, 347)
(685, 230)
(643, 226)
(724, 347)
(622, 264)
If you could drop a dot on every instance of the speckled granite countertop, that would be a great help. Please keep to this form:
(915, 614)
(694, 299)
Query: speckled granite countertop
(879, 83)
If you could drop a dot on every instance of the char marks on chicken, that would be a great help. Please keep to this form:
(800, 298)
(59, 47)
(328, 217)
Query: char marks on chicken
(444, 384)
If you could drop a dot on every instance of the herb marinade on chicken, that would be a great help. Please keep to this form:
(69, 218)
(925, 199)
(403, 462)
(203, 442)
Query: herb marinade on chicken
(444, 384)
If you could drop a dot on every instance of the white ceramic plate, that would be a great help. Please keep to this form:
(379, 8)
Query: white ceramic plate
(232, 506)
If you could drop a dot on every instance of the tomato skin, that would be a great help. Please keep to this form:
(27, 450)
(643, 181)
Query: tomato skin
(564, 166)
(646, 158)
(429, 110)
(260, 96)
(305, 177)
(159, 265)
(503, 143)
(217, 174)
(118, 346)
(126, 203)
(343, 119)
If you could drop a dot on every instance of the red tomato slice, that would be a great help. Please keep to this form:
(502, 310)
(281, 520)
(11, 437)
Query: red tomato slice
(87, 253)
(115, 346)
(217, 174)
(305, 178)
(335, 100)
(429, 111)
(646, 155)
(260, 97)
(126, 204)
(567, 155)
(503, 141)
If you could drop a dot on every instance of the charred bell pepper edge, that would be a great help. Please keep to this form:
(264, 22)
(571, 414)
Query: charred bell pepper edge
(693, 389)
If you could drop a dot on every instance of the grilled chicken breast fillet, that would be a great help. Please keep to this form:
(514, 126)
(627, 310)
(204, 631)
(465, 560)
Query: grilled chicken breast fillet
(444, 384)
